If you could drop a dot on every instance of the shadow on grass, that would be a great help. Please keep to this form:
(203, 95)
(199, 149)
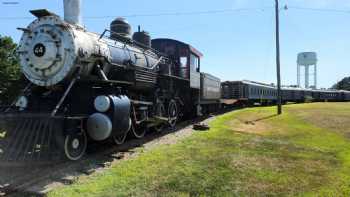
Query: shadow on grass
(252, 122)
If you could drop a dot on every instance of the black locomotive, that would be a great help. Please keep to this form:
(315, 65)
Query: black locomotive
(87, 87)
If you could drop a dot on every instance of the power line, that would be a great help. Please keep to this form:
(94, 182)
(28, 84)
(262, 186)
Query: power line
(15, 18)
(193, 13)
(320, 9)
(205, 12)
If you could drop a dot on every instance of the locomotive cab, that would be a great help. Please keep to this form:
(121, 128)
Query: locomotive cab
(204, 88)
(186, 66)
(186, 58)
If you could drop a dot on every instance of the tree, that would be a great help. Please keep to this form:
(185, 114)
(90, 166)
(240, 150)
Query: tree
(9, 70)
(344, 84)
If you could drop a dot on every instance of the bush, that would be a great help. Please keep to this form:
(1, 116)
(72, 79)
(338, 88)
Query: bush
(344, 84)
(9, 70)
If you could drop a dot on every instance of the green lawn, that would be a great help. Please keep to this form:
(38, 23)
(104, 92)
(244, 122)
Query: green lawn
(2, 134)
(251, 152)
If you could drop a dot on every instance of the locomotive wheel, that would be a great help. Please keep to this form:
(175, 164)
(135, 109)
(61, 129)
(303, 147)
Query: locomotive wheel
(120, 139)
(172, 113)
(160, 111)
(75, 145)
(138, 131)
(158, 128)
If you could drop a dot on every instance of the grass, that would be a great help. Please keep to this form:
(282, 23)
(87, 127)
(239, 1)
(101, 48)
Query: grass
(251, 152)
(2, 134)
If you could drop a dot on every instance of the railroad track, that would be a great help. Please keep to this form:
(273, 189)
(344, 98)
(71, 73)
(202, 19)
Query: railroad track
(38, 178)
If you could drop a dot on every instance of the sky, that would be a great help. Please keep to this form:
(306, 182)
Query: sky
(237, 44)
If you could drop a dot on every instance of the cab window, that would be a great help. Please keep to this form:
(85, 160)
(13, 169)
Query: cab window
(194, 63)
(183, 61)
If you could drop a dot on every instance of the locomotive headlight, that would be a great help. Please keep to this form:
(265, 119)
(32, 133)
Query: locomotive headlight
(102, 103)
(22, 102)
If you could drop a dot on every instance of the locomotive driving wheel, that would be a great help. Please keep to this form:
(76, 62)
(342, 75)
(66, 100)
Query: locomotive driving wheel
(138, 128)
(172, 113)
(120, 139)
(139, 131)
(75, 144)
(160, 111)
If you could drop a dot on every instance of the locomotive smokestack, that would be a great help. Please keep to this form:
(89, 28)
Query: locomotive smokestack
(72, 12)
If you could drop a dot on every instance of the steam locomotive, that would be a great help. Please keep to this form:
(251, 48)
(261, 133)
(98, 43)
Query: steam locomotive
(87, 86)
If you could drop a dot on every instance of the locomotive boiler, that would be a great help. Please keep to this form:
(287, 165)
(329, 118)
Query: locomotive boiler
(86, 86)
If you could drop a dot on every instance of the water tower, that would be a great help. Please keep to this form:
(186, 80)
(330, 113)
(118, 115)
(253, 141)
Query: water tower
(307, 60)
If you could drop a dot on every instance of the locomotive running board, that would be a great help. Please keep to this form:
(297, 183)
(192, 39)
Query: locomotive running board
(30, 137)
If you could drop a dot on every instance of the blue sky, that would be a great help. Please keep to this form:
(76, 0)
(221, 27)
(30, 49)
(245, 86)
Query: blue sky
(236, 45)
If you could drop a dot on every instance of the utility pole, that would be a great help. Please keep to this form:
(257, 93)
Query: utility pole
(279, 93)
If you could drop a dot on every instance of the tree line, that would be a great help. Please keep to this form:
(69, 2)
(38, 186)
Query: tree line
(344, 84)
